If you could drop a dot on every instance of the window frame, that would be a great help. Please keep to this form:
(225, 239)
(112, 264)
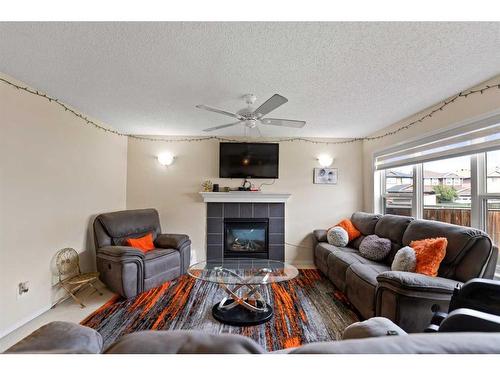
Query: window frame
(384, 195)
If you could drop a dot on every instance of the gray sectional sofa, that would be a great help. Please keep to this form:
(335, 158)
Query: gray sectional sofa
(368, 337)
(403, 297)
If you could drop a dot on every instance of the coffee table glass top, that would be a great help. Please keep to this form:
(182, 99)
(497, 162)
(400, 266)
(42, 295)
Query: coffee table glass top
(243, 271)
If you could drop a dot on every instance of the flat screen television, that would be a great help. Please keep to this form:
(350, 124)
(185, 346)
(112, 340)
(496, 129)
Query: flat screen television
(248, 160)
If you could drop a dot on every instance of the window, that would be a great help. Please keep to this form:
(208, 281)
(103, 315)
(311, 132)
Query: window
(491, 199)
(449, 202)
(493, 220)
(455, 177)
(493, 171)
(398, 191)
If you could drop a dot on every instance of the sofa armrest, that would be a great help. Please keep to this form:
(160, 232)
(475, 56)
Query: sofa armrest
(60, 337)
(172, 241)
(120, 251)
(373, 327)
(320, 235)
(409, 281)
(408, 299)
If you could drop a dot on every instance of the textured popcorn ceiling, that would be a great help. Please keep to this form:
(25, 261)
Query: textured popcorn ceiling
(344, 79)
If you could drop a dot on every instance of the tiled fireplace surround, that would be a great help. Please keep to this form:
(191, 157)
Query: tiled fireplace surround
(216, 212)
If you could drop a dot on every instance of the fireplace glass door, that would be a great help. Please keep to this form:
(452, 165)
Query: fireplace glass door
(246, 238)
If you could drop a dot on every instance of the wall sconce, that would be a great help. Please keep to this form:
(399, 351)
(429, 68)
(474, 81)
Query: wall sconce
(166, 158)
(325, 160)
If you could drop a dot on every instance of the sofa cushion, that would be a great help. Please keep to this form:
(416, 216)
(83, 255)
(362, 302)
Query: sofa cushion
(393, 227)
(429, 254)
(184, 342)
(351, 230)
(158, 261)
(361, 284)
(324, 249)
(337, 236)
(375, 248)
(339, 261)
(365, 222)
(467, 251)
(144, 243)
(405, 260)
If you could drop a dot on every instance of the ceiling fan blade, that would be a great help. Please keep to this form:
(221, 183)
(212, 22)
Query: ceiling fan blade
(221, 126)
(270, 105)
(283, 122)
(217, 110)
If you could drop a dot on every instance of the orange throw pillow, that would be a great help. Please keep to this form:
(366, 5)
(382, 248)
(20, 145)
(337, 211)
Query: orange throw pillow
(350, 229)
(429, 253)
(144, 244)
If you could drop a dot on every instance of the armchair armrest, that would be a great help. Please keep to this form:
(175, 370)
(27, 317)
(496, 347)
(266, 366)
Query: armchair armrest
(320, 235)
(409, 281)
(172, 241)
(180, 242)
(120, 251)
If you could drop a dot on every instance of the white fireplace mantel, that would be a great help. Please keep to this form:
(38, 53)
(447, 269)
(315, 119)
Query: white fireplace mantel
(244, 197)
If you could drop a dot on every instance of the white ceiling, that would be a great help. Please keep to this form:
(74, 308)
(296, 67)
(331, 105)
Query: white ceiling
(344, 79)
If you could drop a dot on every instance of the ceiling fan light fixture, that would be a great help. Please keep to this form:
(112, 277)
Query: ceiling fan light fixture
(251, 123)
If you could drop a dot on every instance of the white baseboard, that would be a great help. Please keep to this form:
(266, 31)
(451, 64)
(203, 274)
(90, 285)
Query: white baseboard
(25, 320)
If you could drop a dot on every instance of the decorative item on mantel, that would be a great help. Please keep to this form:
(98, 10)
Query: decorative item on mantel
(207, 186)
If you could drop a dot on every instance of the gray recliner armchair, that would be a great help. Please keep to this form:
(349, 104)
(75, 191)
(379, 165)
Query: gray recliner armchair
(127, 270)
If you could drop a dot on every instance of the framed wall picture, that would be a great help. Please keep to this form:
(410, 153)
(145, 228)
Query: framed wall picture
(326, 176)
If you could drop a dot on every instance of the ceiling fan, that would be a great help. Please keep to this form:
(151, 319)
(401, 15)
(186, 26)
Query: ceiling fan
(251, 117)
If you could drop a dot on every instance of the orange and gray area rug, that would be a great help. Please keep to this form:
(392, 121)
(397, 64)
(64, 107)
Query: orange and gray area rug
(306, 309)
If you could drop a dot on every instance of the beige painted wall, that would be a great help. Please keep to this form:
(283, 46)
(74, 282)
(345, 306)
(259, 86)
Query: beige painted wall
(55, 174)
(461, 110)
(174, 190)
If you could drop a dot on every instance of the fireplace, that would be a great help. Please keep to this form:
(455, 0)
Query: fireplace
(271, 215)
(246, 237)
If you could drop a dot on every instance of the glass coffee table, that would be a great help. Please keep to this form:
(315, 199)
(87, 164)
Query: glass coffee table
(242, 279)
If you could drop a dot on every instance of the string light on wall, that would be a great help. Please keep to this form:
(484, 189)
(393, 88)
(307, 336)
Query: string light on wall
(437, 108)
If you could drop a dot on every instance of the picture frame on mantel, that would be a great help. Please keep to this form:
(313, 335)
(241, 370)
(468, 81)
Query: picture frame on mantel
(328, 176)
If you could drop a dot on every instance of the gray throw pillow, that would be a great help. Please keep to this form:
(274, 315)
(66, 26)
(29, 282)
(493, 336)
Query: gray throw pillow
(337, 236)
(405, 260)
(374, 247)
